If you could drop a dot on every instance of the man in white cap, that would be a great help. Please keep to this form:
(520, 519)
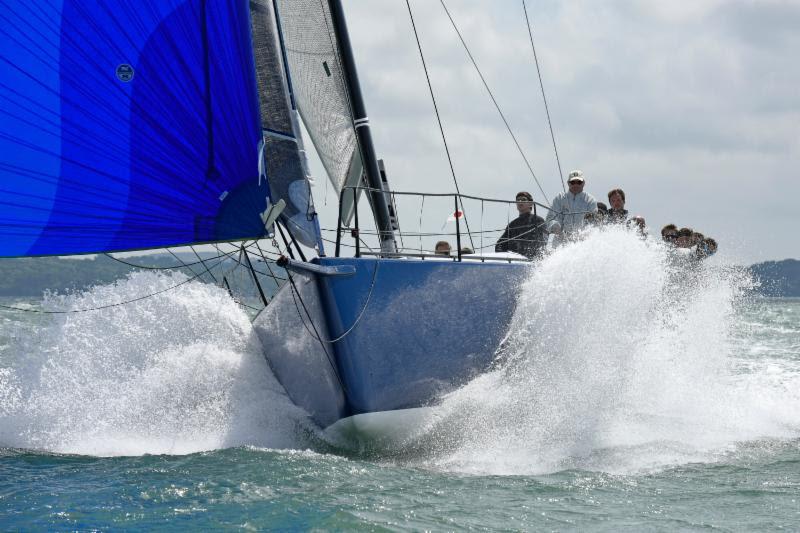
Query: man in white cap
(569, 209)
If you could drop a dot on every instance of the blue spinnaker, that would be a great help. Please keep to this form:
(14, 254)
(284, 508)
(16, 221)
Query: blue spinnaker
(127, 125)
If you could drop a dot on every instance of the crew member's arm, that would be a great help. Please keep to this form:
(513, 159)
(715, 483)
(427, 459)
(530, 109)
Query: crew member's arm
(553, 222)
(502, 242)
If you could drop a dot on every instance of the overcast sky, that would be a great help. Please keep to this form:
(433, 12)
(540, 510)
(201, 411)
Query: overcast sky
(691, 106)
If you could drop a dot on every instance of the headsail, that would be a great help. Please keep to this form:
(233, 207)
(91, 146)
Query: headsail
(128, 125)
(319, 89)
(286, 167)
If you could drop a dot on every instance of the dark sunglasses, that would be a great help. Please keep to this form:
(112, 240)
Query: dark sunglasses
(671, 236)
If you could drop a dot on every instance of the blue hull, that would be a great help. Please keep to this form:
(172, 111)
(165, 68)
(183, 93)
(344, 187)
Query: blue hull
(411, 330)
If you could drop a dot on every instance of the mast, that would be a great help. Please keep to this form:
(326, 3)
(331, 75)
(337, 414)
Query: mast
(380, 209)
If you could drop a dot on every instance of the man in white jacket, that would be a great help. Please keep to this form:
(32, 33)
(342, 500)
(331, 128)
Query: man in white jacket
(569, 209)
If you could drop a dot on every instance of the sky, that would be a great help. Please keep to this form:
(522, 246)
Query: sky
(693, 108)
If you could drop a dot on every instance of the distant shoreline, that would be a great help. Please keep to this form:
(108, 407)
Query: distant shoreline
(777, 278)
(32, 276)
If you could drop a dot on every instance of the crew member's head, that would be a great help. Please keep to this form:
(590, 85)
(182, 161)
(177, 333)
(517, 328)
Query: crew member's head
(575, 181)
(684, 239)
(443, 248)
(616, 197)
(524, 202)
(638, 224)
(669, 233)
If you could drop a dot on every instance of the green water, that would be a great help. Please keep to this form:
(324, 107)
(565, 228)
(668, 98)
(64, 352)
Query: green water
(129, 421)
(754, 487)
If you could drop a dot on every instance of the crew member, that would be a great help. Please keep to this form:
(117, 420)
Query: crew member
(568, 213)
(617, 214)
(525, 234)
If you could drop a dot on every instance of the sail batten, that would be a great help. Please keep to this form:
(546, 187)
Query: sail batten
(129, 126)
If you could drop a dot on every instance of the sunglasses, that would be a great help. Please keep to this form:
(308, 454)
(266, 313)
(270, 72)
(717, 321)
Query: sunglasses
(524, 200)
(671, 236)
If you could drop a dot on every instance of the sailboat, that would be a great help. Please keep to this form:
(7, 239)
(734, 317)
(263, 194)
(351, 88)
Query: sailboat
(145, 125)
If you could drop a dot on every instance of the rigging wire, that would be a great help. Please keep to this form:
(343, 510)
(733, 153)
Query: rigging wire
(496, 105)
(544, 98)
(354, 324)
(203, 263)
(220, 258)
(439, 120)
(70, 311)
(181, 260)
(170, 267)
(316, 335)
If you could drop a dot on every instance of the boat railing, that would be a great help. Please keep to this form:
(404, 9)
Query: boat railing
(457, 214)
(464, 257)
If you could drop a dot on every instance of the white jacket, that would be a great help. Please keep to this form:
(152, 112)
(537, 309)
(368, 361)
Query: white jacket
(569, 212)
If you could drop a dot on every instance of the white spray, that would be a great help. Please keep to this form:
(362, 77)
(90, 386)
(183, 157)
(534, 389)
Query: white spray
(176, 373)
(619, 359)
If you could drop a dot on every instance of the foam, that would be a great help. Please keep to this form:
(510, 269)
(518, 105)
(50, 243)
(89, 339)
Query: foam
(177, 373)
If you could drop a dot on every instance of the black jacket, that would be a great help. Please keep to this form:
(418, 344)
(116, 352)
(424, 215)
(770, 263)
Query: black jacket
(524, 235)
(617, 217)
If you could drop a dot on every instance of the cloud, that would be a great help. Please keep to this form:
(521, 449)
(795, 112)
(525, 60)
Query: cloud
(690, 106)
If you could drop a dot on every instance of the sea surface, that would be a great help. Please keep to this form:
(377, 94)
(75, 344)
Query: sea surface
(631, 395)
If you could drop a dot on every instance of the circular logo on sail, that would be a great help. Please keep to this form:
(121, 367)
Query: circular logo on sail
(125, 72)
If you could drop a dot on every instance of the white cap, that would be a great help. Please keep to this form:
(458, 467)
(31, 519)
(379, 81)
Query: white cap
(575, 175)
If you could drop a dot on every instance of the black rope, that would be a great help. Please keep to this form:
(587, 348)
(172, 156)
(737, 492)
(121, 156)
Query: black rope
(183, 265)
(496, 105)
(285, 241)
(203, 263)
(271, 274)
(170, 252)
(358, 318)
(45, 312)
(439, 120)
(544, 98)
(294, 241)
(255, 276)
(315, 335)
(220, 258)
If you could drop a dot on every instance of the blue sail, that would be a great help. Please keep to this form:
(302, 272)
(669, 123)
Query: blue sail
(128, 125)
